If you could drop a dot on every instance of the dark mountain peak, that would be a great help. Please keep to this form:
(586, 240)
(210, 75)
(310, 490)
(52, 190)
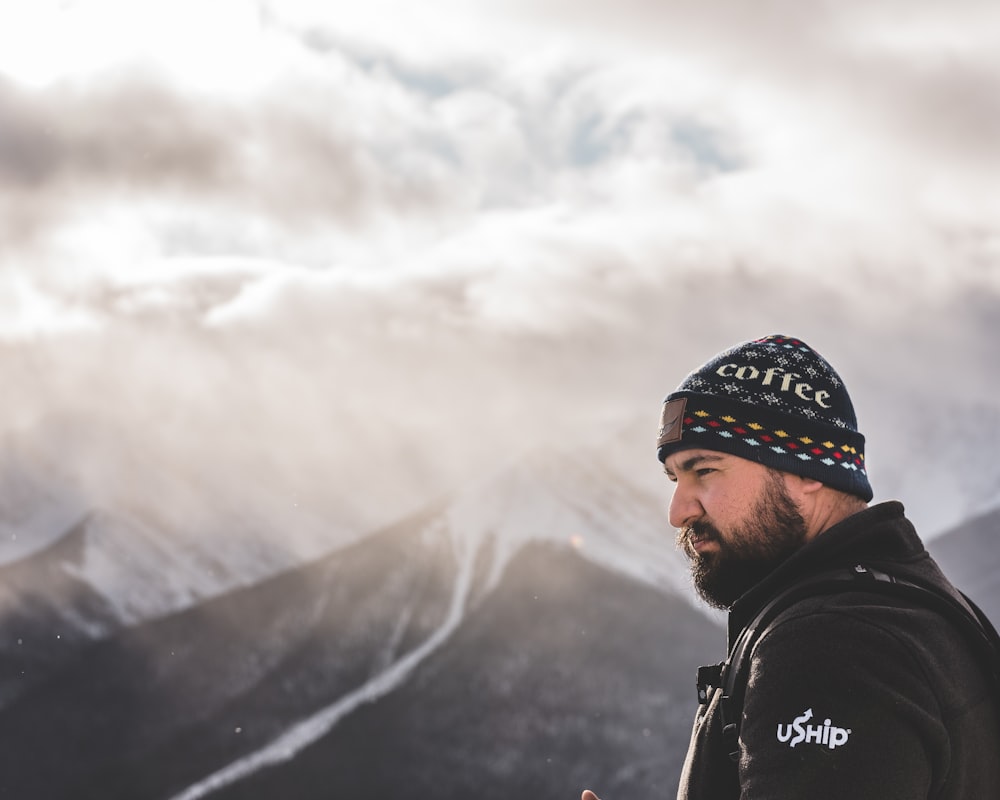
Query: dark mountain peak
(566, 674)
(67, 549)
(408, 632)
(969, 556)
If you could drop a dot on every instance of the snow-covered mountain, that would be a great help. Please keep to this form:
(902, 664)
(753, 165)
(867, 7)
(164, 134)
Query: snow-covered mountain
(964, 482)
(575, 498)
(112, 570)
(206, 700)
(969, 556)
(534, 632)
(284, 660)
(39, 501)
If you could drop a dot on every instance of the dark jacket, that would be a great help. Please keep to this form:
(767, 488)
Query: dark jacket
(853, 696)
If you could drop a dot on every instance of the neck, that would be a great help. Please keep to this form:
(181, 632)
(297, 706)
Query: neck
(828, 508)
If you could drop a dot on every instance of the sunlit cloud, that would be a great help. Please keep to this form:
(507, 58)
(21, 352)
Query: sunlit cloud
(374, 248)
(32, 312)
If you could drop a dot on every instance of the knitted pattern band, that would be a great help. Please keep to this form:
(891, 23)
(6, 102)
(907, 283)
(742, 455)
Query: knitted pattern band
(775, 401)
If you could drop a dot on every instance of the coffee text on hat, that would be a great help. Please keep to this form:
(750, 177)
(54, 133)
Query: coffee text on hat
(748, 372)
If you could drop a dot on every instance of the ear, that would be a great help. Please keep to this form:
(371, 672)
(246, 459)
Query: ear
(799, 486)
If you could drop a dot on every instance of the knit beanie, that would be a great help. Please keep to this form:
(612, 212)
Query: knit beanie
(775, 401)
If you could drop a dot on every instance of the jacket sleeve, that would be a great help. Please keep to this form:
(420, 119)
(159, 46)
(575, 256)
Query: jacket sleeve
(839, 707)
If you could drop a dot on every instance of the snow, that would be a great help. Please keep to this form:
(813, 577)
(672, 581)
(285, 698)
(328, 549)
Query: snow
(547, 496)
(37, 503)
(37, 528)
(314, 727)
(578, 500)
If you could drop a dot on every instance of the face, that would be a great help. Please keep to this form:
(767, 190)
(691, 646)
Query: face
(736, 521)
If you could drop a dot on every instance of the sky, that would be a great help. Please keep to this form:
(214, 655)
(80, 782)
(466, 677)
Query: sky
(318, 263)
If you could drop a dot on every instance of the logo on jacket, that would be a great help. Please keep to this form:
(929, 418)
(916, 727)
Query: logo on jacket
(798, 732)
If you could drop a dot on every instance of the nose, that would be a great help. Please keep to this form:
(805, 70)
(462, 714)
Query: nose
(684, 506)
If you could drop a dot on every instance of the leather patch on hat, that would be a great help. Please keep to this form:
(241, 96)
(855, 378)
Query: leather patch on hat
(672, 421)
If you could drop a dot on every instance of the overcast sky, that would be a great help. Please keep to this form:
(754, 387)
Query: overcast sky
(338, 256)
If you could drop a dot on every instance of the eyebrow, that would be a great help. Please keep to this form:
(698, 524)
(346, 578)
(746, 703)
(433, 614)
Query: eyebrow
(689, 464)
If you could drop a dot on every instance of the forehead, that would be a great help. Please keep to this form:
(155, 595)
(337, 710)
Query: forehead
(685, 460)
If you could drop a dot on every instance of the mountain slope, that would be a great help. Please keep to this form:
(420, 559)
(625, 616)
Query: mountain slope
(267, 655)
(969, 556)
(551, 653)
(47, 614)
(215, 694)
(105, 573)
(566, 676)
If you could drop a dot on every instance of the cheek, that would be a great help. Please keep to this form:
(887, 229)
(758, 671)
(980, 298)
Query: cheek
(720, 505)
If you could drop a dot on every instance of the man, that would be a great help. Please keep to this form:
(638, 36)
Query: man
(850, 695)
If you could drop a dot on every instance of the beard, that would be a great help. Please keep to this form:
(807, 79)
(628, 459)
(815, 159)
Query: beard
(772, 530)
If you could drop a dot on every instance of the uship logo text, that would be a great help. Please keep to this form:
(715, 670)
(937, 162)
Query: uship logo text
(798, 732)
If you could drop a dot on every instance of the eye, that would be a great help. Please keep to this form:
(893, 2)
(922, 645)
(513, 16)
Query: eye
(704, 471)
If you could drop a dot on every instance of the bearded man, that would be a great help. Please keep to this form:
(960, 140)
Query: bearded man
(850, 695)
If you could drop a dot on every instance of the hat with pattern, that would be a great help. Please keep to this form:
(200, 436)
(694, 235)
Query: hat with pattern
(775, 401)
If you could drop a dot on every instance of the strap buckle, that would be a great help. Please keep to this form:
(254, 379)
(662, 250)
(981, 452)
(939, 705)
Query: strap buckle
(709, 677)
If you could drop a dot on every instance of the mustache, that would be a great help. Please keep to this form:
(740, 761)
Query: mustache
(696, 532)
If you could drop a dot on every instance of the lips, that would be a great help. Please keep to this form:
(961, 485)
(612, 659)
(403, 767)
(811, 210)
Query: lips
(699, 540)
(702, 543)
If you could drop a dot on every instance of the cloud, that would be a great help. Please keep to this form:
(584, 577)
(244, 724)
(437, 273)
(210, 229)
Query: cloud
(293, 160)
(308, 167)
(354, 397)
(389, 259)
(133, 131)
(357, 149)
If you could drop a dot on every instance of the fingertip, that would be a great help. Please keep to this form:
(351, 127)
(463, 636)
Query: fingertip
(588, 795)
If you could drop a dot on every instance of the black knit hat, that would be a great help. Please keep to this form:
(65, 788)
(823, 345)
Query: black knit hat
(775, 401)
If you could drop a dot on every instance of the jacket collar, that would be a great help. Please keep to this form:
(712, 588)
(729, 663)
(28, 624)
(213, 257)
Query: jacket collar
(876, 534)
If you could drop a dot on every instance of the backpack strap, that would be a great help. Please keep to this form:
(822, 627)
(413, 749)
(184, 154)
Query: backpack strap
(967, 617)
